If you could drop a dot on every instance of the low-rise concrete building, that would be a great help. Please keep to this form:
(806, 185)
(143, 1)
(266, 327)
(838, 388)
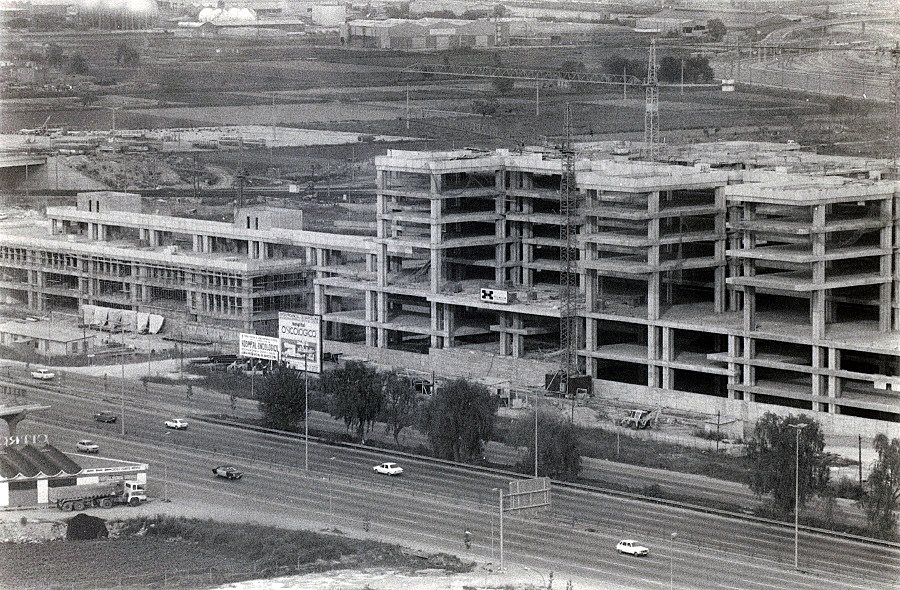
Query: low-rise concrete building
(423, 34)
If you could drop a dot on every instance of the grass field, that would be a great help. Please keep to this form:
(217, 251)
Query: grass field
(164, 551)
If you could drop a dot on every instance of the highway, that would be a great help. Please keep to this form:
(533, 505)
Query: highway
(615, 475)
(431, 505)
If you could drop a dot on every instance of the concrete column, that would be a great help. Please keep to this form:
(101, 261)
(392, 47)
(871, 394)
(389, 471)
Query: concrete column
(449, 325)
(382, 318)
(819, 296)
(749, 379)
(834, 382)
(54, 226)
(320, 302)
(654, 280)
(207, 247)
(819, 360)
(518, 339)
(371, 316)
(733, 375)
(197, 243)
(505, 342)
(667, 354)
(719, 290)
(436, 324)
(653, 349)
(887, 239)
(437, 255)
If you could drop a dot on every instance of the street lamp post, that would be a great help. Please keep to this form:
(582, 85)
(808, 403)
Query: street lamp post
(672, 560)
(330, 494)
(535, 435)
(306, 413)
(122, 394)
(797, 428)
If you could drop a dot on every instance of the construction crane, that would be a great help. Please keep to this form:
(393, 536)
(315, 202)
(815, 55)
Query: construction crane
(568, 272)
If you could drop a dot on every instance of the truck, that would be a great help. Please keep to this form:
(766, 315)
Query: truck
(104, 495)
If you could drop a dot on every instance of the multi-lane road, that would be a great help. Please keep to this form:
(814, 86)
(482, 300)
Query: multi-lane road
(431, 505)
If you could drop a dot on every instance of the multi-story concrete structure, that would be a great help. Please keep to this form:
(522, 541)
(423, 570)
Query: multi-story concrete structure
(700, 286)
(738, 277)
(236, 276)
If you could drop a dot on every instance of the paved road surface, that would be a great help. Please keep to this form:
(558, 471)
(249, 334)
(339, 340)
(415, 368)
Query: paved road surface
(430, 506)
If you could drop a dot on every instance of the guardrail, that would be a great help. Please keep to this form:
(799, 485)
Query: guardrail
(563, 484)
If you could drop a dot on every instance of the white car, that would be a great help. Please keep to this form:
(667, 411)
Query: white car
(86, 446)
(43, 374)
(388, 469)
(632, 548)
(177, 424)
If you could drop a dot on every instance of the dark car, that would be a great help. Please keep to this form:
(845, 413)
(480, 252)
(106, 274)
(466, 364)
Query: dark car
(227, 471)
(105, 417)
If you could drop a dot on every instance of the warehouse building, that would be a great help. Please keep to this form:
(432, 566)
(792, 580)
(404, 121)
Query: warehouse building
(423, 34)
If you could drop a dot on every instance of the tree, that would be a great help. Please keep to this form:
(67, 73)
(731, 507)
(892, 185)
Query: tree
(882, 498)
(459, 419)
(401, 404)
(616, 64)
(716, 29)
(282, 399)
(55, 56)
(355, 396)
(78, 64)
(559, 450)
(127, 55)
(771, 452)
(571, 66)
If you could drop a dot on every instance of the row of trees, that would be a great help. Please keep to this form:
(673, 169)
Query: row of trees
(696, 69)
(773, 452)
(457, 420)
(461, 417)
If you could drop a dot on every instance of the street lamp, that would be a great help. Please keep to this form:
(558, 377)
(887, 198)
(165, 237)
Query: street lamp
(672, 560)
(306, 412)
(500, 491)
(535, 435)
(330, 495)
(797, 428)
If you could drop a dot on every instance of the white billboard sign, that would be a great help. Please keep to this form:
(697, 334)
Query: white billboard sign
(300, 338)
(258, 347)
(495, 296)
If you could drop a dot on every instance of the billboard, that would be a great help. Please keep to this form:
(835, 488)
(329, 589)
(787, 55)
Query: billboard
(300, 337)
(258, 347)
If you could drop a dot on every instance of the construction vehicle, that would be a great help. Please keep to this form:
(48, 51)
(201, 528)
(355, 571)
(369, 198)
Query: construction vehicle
(640, 419)
(104, 495)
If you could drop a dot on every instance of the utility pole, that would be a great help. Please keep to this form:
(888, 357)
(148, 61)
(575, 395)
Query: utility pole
(407, 107)
(797, 428)
(501, 528)
(535, 435)
(682, 76)
(860, 466)
(122, 394)
(537, 98)
(306, 412)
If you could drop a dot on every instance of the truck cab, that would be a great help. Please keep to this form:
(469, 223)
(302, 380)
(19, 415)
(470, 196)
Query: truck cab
(134, 493)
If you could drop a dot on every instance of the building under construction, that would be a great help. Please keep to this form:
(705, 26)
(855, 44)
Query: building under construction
(760, 274)
(739, 277)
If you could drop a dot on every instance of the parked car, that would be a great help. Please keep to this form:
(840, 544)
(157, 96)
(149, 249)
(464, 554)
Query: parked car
(87, 446)
(107, 417)
(177, 424)
(632, 548)
(388, 469)
(43, 374)
(227, 471)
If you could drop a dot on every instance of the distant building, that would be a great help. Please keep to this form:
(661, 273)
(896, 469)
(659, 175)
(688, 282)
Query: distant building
(671, 26)
(327, 15)
(43, 337)
(422, 34)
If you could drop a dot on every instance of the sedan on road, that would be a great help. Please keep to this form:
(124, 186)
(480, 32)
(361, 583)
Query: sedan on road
(227, 471)
(388, 469)
(87, 446)
(632, 548)
(177, 424)
(43, 374)
(107, 417)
